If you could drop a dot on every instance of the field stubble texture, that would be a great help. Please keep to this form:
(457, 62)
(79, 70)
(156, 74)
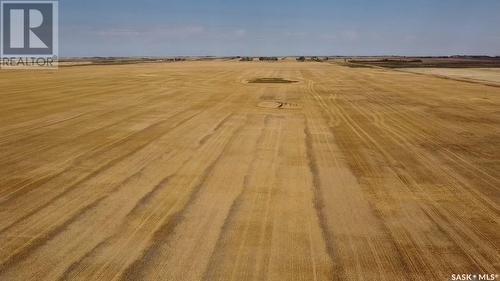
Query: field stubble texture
(184, 171)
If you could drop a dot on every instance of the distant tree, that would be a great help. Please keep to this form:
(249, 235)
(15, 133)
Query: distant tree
(268, 58)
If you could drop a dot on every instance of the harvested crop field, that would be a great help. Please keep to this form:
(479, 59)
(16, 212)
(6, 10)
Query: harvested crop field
(185, 171)
(481, 75)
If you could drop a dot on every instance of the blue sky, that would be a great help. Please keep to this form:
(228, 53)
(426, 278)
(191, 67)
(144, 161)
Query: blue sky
(281, 27)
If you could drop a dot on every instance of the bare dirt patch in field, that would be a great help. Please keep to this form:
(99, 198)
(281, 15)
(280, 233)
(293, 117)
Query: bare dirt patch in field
(272, 80)
(279, 105)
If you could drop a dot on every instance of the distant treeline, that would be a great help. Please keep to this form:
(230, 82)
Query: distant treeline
(260, 58)
(268, 58)
(302, 59)
(174, 59)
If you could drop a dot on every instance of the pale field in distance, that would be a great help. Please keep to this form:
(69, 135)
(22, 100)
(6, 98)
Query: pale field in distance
(185, 171)
(485, 75)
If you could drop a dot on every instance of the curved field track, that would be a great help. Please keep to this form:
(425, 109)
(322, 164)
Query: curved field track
(183, 171)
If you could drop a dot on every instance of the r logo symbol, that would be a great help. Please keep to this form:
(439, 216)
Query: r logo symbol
(28, 28)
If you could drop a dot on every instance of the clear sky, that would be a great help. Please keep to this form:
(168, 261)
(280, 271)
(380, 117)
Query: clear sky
(281, 27)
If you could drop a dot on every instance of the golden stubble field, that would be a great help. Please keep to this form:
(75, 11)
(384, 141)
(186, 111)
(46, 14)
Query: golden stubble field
(489, 76)
(184, 171)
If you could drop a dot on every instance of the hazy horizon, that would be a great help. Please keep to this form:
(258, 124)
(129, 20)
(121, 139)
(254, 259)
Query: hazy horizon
(281, 28)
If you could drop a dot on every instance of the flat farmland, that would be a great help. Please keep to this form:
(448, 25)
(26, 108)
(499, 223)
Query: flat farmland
(481, 75)
(225, 170)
